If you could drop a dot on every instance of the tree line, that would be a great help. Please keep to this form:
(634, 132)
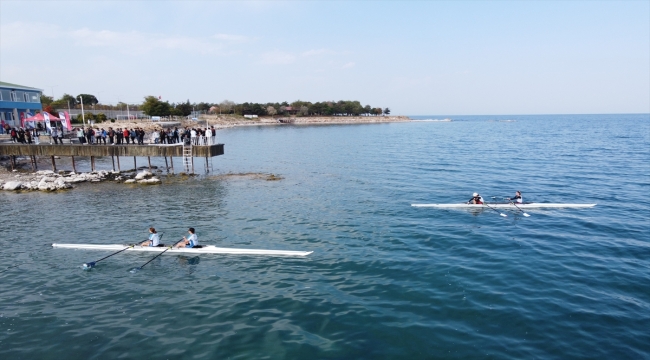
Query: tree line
(154, 106)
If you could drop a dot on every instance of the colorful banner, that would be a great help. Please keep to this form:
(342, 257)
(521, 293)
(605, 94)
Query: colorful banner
(46, 118)
(65, 120)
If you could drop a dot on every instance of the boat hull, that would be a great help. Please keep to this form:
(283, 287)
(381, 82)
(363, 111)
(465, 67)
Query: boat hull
(207, 249)
(506, 206)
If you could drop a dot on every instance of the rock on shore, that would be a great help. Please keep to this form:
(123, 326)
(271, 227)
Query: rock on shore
(47, 180)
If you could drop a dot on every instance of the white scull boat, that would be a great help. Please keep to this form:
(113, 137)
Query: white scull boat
(206, 249)
(506, 206)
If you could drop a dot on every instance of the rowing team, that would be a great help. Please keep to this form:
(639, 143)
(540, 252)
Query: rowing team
(192, 241)
(478, 199)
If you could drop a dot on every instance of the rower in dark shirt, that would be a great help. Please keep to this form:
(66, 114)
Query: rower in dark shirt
(518, 199)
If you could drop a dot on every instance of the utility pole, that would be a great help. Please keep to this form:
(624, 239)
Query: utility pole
(83, 117)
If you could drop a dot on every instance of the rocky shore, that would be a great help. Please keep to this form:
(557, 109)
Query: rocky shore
(48, 180)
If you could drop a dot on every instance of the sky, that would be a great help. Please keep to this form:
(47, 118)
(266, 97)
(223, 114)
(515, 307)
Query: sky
(415, 57)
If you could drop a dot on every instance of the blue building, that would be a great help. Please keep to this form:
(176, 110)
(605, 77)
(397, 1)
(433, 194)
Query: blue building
(18, 102)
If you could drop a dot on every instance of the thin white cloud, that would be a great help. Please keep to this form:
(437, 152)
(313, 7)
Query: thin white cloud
(19, 35)
(314, 52)
(232, 38)
(348, 65)
(277, 57)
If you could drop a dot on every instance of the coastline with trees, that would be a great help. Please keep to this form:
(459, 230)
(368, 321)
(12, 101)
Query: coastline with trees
(154, 106)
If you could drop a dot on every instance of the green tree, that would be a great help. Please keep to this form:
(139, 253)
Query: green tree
(386, 111)
(88, 99)
(69, 98)
(100, 117)
(46, 100)
(184, 108)
(154, 107)
(203, 107)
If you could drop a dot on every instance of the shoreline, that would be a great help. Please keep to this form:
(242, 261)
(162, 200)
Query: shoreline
(47, 180)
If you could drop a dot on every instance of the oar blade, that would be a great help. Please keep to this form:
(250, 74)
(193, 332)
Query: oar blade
(504, 215)
(526, 215)
(89, 265)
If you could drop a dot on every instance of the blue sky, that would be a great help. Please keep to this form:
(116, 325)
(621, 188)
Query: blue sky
(468, 57)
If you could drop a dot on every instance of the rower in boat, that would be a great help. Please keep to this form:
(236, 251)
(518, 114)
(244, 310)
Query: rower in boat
(154, 239)
(190, 242)
(518, 199)
(476, 199)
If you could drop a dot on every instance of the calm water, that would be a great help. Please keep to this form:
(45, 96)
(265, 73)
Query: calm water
(385, 281)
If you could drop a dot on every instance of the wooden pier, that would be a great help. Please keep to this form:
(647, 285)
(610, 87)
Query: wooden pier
(114, 151)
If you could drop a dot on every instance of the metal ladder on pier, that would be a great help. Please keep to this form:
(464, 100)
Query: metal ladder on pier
(188, 160)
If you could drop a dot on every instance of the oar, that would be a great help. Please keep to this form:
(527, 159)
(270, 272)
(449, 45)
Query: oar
(90, 265)
(154, 258)
(523, 212)
(500, 213)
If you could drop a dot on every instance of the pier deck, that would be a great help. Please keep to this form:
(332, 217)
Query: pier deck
(108, 150)
(92, 151)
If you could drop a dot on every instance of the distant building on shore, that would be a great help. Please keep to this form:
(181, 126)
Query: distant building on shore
(18, 102)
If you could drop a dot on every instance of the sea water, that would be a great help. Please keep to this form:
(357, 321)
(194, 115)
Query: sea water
(386, 280)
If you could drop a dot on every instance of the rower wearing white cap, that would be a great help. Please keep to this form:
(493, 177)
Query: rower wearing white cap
(476, 199)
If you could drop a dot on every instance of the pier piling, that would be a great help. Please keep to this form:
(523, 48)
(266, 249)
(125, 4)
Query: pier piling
(74, 168)
(53, 164)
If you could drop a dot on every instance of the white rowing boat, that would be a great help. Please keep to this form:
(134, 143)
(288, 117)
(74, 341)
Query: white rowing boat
(506, 206)
(206, 249)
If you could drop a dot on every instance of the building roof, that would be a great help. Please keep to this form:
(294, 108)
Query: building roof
(18, 87)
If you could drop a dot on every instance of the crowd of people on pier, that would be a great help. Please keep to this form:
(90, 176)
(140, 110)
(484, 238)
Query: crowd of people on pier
(23, 135)
(117, 136)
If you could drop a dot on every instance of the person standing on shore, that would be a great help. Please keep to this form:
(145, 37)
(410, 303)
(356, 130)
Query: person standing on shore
(90, 135)
(80, 136)
(193, 136)
(14, 135)
(55, 135)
